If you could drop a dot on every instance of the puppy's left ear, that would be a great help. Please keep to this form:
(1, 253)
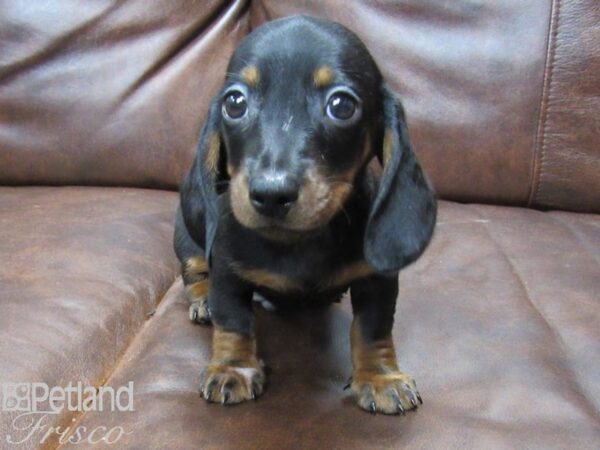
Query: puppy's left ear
(403, 212)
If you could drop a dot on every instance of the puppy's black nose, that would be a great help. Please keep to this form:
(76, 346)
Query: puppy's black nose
(273, 194)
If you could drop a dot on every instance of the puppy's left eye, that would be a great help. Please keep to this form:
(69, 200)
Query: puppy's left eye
(235, 105)
(341, 106)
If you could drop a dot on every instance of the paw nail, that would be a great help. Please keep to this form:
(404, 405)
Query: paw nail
(410, 394)
(348, 383)
(373, 408)
(401, 409)
(419, 398)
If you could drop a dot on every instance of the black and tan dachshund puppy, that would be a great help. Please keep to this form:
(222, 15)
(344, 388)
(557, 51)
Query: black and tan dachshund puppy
(280, 202)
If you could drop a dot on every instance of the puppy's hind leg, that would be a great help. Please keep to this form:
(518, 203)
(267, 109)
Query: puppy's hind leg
(195, 279)
(194, 270)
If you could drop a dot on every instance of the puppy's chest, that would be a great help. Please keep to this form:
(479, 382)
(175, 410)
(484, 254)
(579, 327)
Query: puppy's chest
(313, 269)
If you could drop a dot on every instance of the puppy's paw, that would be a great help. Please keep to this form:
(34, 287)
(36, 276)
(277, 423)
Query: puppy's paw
(389, 393)
(229, 385)
(199, 311)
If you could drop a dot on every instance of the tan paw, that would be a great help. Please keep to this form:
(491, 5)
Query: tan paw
(229, 385)
(199, 311)
(388, 393)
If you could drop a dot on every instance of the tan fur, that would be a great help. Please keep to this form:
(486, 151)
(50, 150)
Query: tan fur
(348, 274)
(196, 272)
(266, 278)
(388, 146)
(240, 202)
(323, 76)
(229, 347)
(196, 265)
(251, 76)
(231, 170)
(376, 379)
(197, 290)
(320, 198)
(212, 155)
(318, 201)
(378, 356)
(234, 374)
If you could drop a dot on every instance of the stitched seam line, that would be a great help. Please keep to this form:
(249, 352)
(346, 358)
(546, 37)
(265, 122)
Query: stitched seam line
(80, 415)
(539, 150)
(205, 30)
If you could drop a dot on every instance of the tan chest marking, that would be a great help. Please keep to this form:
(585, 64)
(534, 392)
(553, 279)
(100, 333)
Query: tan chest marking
(282, 283)
(348, 274)
(267, 278)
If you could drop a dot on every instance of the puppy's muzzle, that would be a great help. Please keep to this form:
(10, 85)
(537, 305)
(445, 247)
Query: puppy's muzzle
(273, 194)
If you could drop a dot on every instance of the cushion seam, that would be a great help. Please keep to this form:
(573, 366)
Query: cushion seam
(80, 415)
(539, 150)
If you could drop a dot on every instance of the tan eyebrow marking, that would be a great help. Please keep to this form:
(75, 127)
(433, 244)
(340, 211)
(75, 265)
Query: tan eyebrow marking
(251, 76)
(323, 76)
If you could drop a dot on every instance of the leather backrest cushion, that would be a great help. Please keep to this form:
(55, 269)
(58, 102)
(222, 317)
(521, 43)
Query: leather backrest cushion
(502, 96)
(567, 154)
(109, 93)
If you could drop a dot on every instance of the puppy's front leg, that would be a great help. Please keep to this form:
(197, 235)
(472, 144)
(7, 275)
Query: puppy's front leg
(377, 382)
(234, 373)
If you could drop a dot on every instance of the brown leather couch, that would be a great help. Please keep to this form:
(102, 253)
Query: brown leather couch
(499, 321)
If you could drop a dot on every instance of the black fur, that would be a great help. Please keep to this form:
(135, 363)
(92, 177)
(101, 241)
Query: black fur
(387, 221)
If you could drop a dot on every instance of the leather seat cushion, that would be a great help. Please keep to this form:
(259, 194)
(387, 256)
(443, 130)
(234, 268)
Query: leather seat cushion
(497, 322)
(80, 271)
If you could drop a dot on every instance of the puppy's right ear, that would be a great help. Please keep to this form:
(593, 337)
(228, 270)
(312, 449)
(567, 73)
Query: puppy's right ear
(403, 212)
(199, 190)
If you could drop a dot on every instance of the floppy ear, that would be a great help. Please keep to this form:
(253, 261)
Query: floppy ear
(403, 211)
(199, 190)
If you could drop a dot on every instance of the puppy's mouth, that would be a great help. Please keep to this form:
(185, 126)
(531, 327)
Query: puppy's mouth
(319, 200)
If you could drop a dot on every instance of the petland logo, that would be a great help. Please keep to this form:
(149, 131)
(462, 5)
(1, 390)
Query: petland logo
(35, 402)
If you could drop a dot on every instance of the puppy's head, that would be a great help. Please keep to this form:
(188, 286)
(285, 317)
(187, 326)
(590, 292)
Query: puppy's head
(297, 106)
(302, 111)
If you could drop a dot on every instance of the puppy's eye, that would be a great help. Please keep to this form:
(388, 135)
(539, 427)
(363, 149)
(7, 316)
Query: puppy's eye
(235, 105)
(341, 106)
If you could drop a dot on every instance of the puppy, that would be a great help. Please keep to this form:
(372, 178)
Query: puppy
(281, 202)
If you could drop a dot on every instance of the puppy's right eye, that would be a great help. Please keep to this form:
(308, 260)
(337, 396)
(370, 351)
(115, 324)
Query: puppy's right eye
(341, 106)
(235, 105)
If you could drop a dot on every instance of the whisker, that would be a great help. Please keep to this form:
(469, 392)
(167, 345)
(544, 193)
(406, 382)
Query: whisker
(226, 214)
(346, 214)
